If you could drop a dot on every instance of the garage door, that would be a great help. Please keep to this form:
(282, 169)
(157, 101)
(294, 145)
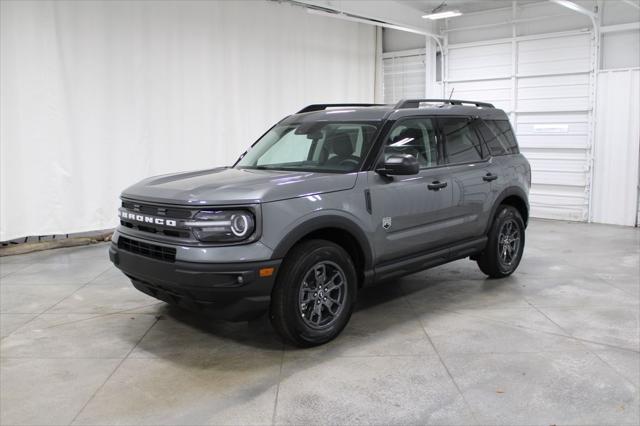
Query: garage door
(545, 84)
(404, 75)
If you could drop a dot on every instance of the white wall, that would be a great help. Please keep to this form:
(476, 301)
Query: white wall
(615, 182)
(97, 95)
(396, 40)
(618, 12)
(620, 50)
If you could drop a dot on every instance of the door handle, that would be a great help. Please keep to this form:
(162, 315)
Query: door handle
(489, 177)
(436, 185)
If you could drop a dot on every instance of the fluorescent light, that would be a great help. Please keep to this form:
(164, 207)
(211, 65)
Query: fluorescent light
(568, 4)
(573, 6)
(442, 15)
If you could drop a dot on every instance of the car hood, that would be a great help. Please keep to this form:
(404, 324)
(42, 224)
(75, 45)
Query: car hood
(236, 186)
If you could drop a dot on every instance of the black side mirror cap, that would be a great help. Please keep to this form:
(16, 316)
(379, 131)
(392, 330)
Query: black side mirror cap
(405, 164)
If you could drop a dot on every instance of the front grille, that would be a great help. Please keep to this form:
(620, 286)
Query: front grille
(168, 254)
(175, 232)
(170, 212)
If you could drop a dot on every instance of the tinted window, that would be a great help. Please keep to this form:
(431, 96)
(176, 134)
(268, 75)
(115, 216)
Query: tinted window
(504, 127)
(415, 136)
(496, 145)
(499, 137)
(461, 141)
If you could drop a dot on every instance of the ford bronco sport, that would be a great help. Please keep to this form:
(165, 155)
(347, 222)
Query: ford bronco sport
(328, 200)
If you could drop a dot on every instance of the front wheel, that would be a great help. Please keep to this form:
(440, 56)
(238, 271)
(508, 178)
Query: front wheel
(314, 294)
(505, 245)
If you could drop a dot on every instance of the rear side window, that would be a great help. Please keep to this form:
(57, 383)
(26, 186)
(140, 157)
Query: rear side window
(499, 137)
(462, 143)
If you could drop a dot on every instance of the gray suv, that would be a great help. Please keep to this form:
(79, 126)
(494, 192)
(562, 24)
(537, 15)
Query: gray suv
(329, 200)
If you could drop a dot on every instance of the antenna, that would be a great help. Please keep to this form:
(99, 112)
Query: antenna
(451, 94)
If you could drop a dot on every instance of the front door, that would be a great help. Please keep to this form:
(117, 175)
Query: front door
(412, 213)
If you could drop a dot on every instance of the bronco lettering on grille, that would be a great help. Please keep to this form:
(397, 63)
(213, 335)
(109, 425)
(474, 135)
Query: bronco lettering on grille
(147, 219)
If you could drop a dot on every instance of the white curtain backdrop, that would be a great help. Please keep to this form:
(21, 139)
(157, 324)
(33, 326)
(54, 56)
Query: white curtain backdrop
(97, 95)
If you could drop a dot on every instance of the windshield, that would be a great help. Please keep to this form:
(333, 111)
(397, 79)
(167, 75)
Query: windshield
(321, 146)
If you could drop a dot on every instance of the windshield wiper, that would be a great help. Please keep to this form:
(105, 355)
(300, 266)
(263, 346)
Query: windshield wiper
(253, 167)
(271, 168)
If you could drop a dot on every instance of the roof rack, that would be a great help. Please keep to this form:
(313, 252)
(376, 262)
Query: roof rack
(320, 107)
(415, 103)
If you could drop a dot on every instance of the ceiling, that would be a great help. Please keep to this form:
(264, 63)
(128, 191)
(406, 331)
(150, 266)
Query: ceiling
(464, 6)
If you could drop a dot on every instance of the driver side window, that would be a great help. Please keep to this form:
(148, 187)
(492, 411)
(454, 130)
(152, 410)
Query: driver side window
(417, 137)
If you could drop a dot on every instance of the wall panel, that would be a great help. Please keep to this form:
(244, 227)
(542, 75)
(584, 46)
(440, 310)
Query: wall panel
(495, 91)
(616, 184)
(553, 93)
(479, 62)
(565, 54)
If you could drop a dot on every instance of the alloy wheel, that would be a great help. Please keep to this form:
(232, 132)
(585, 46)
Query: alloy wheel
(509, 242)
(322, 294)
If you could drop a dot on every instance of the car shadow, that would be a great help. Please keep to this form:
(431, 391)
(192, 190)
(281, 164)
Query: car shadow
(242, 351)
(258, 334)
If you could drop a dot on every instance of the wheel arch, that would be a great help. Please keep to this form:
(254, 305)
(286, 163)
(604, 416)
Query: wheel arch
(338, 230)
(512, 196)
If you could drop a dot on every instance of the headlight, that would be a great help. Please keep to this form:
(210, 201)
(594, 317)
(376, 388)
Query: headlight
(223, 225)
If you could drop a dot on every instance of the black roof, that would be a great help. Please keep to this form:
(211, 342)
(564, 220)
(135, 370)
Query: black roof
(404, 108)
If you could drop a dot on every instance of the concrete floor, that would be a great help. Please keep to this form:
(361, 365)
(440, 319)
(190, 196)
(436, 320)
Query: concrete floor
(557, 343)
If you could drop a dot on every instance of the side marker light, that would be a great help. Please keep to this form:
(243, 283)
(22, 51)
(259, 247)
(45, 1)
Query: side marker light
(266, 272)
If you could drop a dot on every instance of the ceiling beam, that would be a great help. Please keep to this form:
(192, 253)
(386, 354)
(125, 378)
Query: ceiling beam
(633, 26)
(361, 20)
(388, 11)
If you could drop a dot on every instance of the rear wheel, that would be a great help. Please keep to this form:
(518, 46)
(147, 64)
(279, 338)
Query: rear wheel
(505, 245)
(314, 294)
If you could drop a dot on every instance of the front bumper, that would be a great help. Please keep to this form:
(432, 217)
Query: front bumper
(231, 291)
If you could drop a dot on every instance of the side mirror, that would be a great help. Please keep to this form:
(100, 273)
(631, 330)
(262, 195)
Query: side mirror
(405, 164)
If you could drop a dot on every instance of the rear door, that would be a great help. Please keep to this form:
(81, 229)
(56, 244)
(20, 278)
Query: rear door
(499, 139)
(469, 165)
(412, 214)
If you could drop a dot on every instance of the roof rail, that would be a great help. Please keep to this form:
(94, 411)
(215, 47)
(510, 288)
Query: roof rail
(415, 103)
(320, 107)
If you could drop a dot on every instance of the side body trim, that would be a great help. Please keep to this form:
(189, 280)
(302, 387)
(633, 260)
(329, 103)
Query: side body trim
(421, 261)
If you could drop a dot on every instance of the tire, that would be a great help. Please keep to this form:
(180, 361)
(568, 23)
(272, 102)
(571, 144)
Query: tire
(300, 323)
(492, 260)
